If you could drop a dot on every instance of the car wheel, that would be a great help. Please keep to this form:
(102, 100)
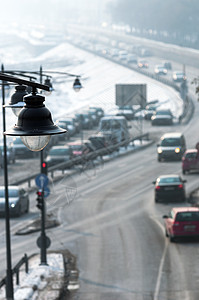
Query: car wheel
(19, 211)
(172, 239)
(27, 208)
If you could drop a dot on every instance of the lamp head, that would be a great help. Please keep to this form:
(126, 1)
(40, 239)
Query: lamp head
(35, 125)
(16, 101)
(77, 85)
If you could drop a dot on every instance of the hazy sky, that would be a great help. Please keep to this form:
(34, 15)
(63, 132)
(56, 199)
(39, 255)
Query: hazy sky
(34, 11)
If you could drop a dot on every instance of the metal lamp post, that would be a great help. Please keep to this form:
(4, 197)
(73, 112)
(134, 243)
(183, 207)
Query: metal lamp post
(16, 105)
(33, 114)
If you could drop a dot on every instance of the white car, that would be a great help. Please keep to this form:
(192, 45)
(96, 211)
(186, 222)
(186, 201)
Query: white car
(160, 70)
(179, 76)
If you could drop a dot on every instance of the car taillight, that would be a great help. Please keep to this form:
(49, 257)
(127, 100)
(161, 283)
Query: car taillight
(157, 187)
(176, 224)
(180, 186)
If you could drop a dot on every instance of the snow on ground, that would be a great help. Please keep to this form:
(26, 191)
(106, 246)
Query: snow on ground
(38, 277)
(99, 77)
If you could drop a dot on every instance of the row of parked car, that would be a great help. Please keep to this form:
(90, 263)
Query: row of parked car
(87, 119)
(112, 130)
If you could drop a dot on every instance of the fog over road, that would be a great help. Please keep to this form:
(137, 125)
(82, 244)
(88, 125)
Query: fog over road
(113, 225)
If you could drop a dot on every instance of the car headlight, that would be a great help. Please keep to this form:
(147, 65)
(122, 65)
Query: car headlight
(12, 205)
(159, 150)
(177, 150)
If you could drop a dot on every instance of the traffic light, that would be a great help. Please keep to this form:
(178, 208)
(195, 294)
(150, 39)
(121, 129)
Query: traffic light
(44, 168)
(40, 199)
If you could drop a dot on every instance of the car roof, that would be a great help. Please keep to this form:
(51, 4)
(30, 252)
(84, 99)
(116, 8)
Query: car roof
(11, 187)
(169, 175)
(113, 118)
(60, 147)
(184, 209)
(171, 134)
(191, 150)
(79, 142)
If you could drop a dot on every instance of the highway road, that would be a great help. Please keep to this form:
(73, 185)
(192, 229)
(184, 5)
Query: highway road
(110, 222)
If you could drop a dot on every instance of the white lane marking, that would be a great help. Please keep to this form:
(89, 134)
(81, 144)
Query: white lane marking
(125, 174)
(158, 282)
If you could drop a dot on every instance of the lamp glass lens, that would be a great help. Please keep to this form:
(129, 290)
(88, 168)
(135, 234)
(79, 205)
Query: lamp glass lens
(16, 110)
(35, 143)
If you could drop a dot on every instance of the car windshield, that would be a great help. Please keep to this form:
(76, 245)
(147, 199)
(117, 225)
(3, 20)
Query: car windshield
(169, 180)
(187, 216)
(11, 193)
(191, 155)
(163, 112)
(170, 142)
(60, 152)
(77, 147)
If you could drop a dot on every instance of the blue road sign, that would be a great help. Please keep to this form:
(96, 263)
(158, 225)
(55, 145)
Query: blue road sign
(41, 181)
(46, 191)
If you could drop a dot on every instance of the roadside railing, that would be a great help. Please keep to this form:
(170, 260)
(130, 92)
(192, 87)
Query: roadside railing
(16, 269)
(82, 159)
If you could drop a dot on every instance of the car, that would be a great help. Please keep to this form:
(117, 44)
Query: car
(100, 141)
(81, 147)
(172, 145)
(179, 76)
(63, 124)
(182, 222)
(143, 64)
(116, 126)
(70, 125)
(94, 116)
(150, 111)
(10, 154)
(123, 54)
(132, 58)
(18, 200)
(190, 161)
(58, 154)
(20, 150)
(160, 70)
(126, 111)
(85, 119)
(162, 117)
(169, 188)
(99, 111)
(167, 65)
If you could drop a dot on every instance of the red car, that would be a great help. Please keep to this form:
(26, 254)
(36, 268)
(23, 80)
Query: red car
(182, 222)
(190, 161)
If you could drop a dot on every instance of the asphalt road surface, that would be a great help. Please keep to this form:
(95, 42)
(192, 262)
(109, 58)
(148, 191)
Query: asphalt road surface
(110, 222)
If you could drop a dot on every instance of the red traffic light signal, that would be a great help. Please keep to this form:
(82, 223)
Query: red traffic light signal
(39, 199)
(44, 168)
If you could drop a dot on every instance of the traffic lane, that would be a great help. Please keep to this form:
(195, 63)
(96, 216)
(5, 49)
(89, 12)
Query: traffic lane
(112, 207)
(145, 229)
(178, 270)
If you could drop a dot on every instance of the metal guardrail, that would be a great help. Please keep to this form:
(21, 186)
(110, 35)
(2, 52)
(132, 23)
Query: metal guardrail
(16, 269)
(82, 159)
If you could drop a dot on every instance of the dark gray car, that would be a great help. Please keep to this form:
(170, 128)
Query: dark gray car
(18, 200)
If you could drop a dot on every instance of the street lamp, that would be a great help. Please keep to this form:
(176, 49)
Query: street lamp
(44, 128)
(35, 125)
